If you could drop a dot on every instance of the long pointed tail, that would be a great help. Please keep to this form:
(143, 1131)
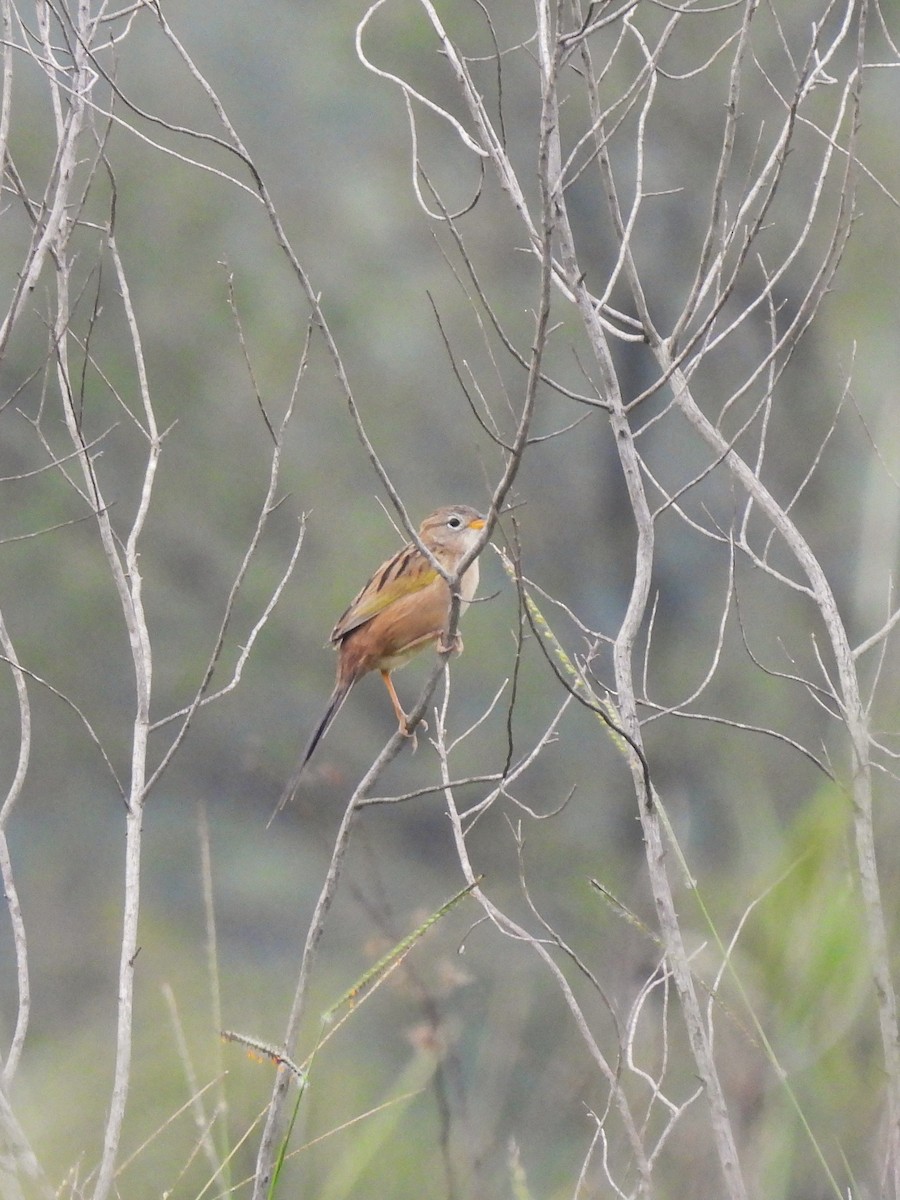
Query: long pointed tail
(336, 700)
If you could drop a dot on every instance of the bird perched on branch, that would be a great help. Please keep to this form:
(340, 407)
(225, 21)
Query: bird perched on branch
(403, 608)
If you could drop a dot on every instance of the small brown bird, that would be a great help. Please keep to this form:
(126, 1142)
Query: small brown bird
(403, 608)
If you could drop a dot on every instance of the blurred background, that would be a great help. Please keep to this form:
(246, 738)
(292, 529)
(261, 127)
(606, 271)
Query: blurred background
(497, 1087)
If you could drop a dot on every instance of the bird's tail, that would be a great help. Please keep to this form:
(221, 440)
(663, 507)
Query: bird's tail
(336, 700)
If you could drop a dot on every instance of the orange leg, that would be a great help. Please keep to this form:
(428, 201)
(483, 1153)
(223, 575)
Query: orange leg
(401, 715)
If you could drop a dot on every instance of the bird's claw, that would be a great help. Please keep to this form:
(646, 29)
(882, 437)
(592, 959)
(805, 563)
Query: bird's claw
(411, 733)
(452, 645)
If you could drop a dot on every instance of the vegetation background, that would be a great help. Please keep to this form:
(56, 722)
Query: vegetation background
(492, 1092)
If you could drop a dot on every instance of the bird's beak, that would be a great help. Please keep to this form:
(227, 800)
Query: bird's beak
(478, 523)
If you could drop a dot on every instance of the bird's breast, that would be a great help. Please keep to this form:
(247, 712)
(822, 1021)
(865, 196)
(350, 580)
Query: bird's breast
(468, 585)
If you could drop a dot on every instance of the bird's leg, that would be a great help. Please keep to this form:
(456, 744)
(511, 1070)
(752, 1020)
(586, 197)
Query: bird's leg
(401, 715)
(402, 719)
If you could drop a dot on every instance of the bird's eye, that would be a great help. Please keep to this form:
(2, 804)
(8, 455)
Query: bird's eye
(454, 522)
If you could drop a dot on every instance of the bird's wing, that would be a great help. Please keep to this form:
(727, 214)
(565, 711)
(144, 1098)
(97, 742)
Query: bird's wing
(403, 575)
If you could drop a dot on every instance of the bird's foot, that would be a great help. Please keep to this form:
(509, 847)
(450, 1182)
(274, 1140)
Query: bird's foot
(411, 732)
(452, 645)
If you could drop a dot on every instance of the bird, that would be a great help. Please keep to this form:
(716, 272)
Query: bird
(403, 608)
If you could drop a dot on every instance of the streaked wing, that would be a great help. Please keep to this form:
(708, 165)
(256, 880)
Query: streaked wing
(403, 575)
(394, 634)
